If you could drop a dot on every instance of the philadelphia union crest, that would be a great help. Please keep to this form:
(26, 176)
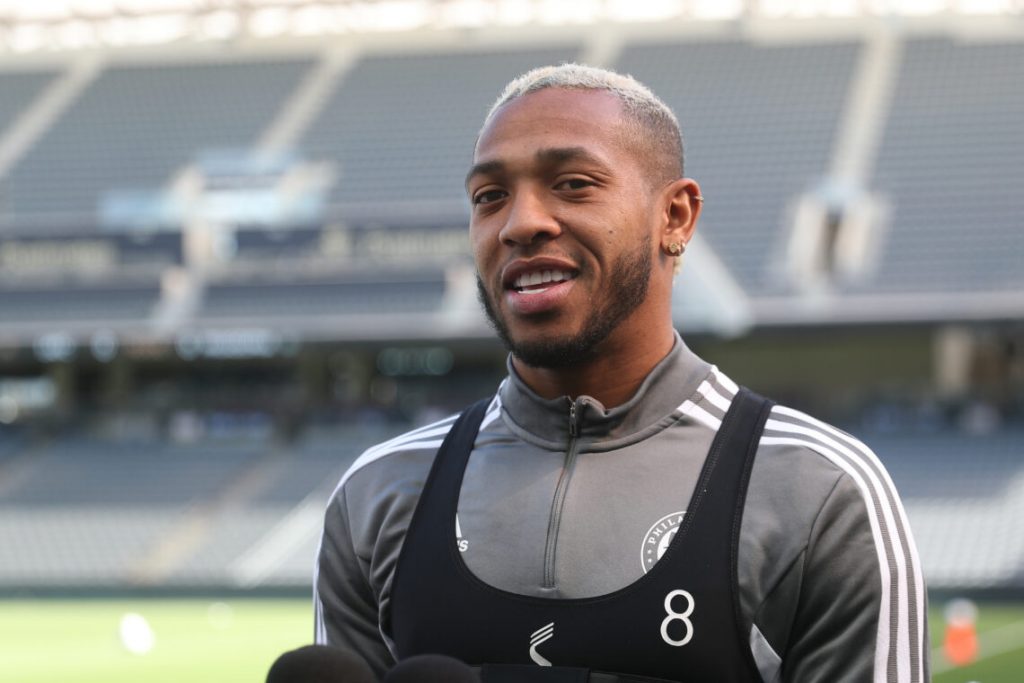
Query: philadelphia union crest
(658, 537)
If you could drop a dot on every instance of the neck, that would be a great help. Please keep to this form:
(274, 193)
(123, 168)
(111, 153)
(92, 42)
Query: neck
(612, 376)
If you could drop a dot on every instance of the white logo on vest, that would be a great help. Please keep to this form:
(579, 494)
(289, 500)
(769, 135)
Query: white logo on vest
(658, 537)
(539, 636)
(461, 543)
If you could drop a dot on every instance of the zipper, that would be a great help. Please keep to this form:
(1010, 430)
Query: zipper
(555, 519)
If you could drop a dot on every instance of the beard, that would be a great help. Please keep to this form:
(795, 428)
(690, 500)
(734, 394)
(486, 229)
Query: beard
(630, 275)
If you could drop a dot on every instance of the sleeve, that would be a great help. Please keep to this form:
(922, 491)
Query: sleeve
(345, 606)
(860, 615)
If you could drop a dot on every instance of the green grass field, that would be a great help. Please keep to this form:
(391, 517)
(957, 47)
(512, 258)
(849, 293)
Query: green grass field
(45, 641)
(237, 640)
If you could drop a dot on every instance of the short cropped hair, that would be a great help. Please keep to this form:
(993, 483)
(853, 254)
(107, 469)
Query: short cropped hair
(655, 128)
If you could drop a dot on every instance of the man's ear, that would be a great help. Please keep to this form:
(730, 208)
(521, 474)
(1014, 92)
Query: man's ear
(682, 204)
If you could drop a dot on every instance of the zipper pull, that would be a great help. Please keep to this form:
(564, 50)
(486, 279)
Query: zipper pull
(573, 428)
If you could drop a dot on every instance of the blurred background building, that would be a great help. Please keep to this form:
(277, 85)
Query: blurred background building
(233, 254)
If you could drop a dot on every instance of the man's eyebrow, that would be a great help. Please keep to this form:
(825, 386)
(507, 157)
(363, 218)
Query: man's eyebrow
(549, 156)
(557, 155)
(483, 168)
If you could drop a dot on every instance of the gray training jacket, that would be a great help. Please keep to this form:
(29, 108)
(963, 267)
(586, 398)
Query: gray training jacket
(829, 578)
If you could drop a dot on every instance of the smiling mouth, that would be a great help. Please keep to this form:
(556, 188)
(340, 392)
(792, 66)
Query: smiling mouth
(540, 280)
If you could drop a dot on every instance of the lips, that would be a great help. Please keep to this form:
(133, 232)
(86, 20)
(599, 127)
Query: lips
(522, 273)
(537, 285)
(538, 281)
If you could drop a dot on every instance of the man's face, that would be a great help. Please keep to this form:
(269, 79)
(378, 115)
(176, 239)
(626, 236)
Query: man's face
(562, 226)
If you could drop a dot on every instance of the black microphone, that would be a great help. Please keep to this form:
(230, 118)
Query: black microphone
(431, 669)
(320, 664)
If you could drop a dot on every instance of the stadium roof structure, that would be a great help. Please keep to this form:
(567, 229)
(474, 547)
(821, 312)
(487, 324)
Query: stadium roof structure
(56, 25)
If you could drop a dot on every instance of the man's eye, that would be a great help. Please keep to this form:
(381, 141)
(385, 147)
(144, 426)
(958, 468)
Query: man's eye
(488, 196)
(574, 184)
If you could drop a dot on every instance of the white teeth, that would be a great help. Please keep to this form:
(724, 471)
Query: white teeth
(541, 277)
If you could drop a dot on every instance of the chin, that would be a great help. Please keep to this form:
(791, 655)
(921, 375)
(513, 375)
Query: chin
(553, 352)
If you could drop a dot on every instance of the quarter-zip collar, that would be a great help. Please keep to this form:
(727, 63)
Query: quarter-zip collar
(551, 423)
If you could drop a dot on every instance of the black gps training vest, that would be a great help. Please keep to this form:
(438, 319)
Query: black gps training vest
(679, 622)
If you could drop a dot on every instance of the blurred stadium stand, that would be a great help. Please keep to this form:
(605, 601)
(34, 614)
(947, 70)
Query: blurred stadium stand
(266, 300)
(964, 495)
(950, 158)
(224, 273)
(136, 125)
(19, 89)
(762, 121)
(401, 127)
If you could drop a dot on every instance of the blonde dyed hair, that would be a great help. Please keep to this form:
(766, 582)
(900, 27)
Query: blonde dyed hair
(654, 128)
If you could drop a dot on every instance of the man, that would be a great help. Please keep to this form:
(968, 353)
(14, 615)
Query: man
(619, 505)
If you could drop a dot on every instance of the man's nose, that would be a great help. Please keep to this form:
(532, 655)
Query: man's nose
(528, 219)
